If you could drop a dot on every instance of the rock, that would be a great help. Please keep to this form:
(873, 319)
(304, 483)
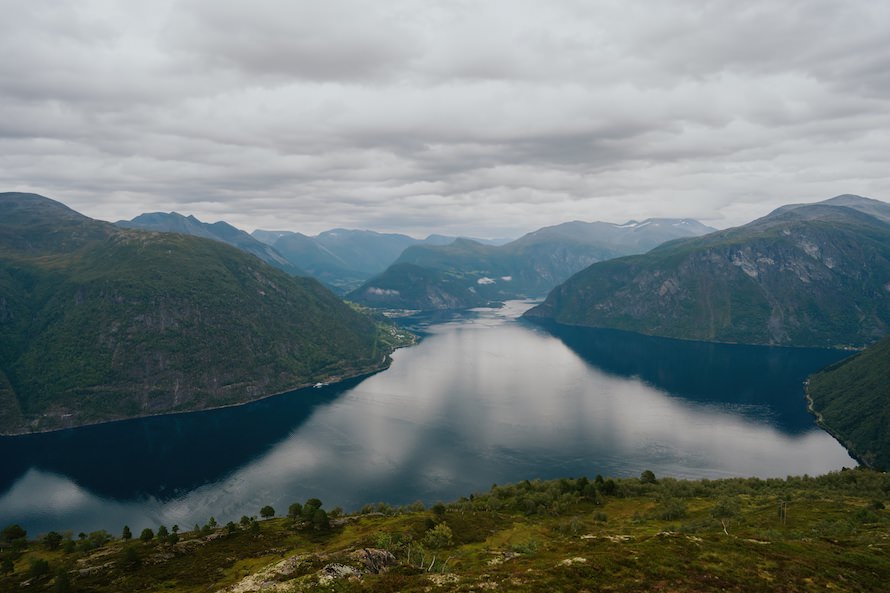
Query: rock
(375, 560)
(336, 571)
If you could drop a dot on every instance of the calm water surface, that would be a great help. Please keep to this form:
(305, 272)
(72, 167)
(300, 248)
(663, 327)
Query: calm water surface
(484, 398)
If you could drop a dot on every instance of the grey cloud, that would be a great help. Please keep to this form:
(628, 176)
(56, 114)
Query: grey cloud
(463, 117)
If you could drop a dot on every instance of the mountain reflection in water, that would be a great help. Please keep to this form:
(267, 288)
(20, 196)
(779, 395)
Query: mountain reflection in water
(484, 398)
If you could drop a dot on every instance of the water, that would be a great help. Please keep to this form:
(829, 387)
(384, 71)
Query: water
(484, 398)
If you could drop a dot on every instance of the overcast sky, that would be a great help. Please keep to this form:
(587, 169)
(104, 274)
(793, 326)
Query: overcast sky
(484, 118)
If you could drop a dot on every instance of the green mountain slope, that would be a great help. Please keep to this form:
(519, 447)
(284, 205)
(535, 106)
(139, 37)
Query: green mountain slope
(805, 275)
(99, 323)
(467, 273)
(174, 222)
(851, 399)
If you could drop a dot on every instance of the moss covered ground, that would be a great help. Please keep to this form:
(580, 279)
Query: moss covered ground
(830, 533)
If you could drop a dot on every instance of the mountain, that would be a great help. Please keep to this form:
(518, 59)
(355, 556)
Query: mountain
(100, 323)
(174, 222)
(344, 258)
(467, 273)
(851, 399)
(804, 275)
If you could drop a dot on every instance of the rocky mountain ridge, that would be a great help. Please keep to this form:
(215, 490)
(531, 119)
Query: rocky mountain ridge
(469, 274)
(804, 275)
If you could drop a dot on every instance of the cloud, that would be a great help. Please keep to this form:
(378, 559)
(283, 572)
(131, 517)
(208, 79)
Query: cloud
(486, 119)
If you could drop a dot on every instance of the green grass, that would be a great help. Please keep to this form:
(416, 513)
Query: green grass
(561, 535)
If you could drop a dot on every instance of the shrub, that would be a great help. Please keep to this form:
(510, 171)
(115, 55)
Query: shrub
(39, 568)
(13, 532)
(52, 540)
(439, 536)
(647, 477)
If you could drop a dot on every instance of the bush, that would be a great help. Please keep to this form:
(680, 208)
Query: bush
(130, 557)
(39, 568)
(320, 519)
(13, 532)
(671, 509)
(439, 536)
(52, 540)
(147, 535)
(725, 508)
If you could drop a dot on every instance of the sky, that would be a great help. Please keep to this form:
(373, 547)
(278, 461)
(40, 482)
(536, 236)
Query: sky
(480, 118)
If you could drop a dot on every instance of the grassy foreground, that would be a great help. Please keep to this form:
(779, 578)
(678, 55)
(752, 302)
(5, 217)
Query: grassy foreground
(798, 534)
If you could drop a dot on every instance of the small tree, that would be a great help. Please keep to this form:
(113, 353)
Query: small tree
(163, 533)
(320, 519)
(13, 533)
(647, 477)
(52, 540)
(294, 511)
(126, 534)
(6, 566)
(245, 521)
(231, 527)
(439, 536)
(147, 535)
(309, 508)
(267, 512)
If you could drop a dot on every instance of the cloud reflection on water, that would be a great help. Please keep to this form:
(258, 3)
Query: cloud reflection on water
(480, 400)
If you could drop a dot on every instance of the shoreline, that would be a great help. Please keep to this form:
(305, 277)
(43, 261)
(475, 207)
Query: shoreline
(820, 422)
(339, 380)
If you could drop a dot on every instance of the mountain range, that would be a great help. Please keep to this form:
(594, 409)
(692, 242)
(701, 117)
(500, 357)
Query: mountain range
(804, 275)
(98, 322)
(173, 222)
(467, 273)
(345, 258)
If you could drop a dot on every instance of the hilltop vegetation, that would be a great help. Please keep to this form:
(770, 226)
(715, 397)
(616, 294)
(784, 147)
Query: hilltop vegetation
(737, 535)
(805, 275)
(851, 400)
(100, 323)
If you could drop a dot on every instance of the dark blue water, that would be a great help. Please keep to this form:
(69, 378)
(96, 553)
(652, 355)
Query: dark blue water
(484, 398)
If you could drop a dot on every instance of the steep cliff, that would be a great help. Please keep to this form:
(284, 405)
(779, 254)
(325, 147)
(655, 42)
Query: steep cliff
(805, 275)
